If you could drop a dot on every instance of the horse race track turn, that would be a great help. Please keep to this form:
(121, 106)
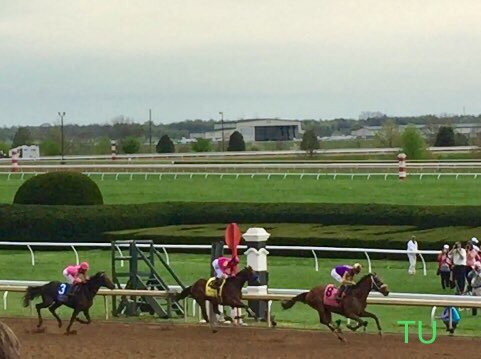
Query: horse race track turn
(142, 340)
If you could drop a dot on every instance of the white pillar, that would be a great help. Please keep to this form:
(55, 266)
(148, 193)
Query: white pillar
(256, 239)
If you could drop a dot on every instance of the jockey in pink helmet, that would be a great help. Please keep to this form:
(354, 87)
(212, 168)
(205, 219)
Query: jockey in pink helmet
(73, 273)
(224, 268)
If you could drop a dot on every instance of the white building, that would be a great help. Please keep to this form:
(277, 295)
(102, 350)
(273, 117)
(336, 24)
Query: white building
(256, 130)
(26, 152)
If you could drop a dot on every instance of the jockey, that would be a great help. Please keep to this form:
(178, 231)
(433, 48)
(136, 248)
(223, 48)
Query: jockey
(223, 268)
(73, 273)
(344, 274)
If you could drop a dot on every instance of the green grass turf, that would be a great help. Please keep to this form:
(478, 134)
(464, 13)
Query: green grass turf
(297, 231)
(296, 273)
(428, 191)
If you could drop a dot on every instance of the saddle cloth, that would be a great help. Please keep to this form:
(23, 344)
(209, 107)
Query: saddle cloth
(62, 291)
(330, 293)
(211, 292)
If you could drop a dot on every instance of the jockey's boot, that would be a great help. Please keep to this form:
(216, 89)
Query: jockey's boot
(340, 293)
(71, 292)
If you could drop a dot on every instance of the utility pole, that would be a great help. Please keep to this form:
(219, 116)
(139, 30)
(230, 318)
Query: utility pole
(222, 127)
(150, 130)
(61, 114)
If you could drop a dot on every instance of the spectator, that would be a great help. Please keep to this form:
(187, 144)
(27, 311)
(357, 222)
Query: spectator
(475, 277)
(474, 241)
(444, 269)
(412, 247)
(458, 258)
(471, 258)
(455, 318)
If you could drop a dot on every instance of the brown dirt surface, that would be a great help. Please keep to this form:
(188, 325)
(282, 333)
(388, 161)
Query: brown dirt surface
(146, 340)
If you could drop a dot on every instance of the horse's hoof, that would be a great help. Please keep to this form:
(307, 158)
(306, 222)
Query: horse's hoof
(59, 325)
(380, 334)
(214, 331)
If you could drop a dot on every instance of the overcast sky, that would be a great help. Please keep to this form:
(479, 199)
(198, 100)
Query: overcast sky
(190, 59)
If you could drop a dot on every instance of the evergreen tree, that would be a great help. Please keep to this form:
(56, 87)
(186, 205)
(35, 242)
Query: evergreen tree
(445, 137)
(165, 145)
(236, 142)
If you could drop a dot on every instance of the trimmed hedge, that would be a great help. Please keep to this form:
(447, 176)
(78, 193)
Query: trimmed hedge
(88, 223)
(59, 188)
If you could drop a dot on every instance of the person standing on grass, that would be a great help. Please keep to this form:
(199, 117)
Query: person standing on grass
(475, 277)
(412, 247)
(458, 257)
(472, 257)
(444, 266)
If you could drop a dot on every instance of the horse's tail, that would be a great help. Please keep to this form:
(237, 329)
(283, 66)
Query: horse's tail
(32, 293)
(184, 294)
(286, 304)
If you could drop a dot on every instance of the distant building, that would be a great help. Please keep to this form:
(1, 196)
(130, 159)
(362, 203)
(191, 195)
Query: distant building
(256, 130)
(27, 152)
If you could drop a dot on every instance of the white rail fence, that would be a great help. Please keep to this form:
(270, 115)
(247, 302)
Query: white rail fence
(335, 151)
(174, 175)
(397, 299)
(164, 247)
(392, 165)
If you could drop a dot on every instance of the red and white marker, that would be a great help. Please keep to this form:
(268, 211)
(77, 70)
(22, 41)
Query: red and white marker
(402, 166)
(232, 238)
(113, 147)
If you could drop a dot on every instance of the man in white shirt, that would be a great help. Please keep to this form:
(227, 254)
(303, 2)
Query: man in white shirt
(458, 255)
(412, 247)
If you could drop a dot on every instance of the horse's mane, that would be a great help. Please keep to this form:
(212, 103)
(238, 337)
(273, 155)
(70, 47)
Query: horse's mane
(363, 279)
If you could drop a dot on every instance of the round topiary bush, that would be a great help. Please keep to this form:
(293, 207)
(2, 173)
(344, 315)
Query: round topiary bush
(54, 188)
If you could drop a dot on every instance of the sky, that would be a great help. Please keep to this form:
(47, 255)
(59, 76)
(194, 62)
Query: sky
(189, 59)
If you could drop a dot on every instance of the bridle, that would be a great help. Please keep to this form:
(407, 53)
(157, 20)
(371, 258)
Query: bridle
(375, 285)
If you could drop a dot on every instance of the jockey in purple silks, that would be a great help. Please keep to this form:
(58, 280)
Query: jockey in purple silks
(344, 274)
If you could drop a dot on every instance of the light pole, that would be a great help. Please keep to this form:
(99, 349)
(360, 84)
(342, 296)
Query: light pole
(150, 130)
(222, 127)
(61, 114)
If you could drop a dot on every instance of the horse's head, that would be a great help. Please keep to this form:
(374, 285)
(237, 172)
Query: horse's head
(103, 280)
(249, 274)
(378, 285)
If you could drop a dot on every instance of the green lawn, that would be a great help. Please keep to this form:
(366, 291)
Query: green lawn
(296, 273)
(428, 191)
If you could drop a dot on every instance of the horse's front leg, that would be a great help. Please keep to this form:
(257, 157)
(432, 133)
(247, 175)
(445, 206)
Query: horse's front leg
(87, 316)
(52, 309)
(72, 320)
(358, 319)
(373, 316)
(238, 304)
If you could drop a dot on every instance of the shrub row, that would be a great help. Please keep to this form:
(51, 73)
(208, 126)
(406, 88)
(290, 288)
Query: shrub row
(88, 223)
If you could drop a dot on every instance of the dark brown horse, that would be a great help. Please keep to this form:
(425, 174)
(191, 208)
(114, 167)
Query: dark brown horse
(353, 305)
(231, 293)
(80, 301)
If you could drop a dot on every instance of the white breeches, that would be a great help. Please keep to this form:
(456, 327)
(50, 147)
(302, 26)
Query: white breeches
(70, 279)
(218, 272)
(336, 276)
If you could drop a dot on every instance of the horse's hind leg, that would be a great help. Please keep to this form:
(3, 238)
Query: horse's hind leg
(326, 319)
(52, 309)
(87, 316)
(203, 309)
(373, 316)
(46, 303)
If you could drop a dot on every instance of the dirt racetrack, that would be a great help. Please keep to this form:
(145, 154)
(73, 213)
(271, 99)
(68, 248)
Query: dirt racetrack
(142, 340)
